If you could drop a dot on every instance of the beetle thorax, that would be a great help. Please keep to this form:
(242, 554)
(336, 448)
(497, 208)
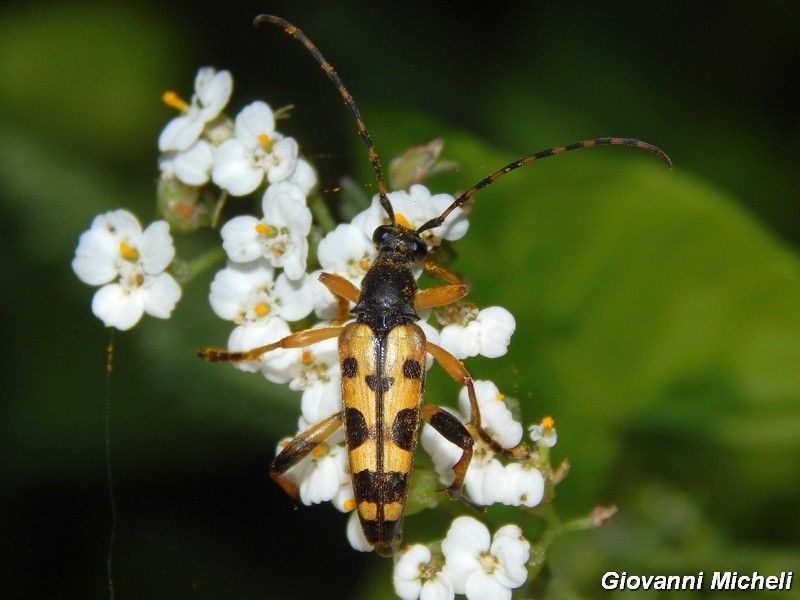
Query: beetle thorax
(389, 288)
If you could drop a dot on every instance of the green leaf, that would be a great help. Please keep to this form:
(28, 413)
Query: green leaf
(89, 75)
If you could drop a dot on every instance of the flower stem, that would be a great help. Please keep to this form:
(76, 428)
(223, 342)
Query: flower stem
(321, 213)
(218, 206)
(186, 270)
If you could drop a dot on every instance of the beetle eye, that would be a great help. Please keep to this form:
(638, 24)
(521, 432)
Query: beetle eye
(381, 234)
(419, 250)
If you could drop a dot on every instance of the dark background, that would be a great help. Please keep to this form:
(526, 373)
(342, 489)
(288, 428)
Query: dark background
(673, 380)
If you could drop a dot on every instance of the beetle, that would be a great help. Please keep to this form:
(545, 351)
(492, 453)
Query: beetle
(382, 352)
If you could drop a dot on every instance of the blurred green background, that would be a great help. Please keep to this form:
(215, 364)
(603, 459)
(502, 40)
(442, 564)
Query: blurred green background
(658, 312)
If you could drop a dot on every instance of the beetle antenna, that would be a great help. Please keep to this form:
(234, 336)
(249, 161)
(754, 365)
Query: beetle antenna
(348, 100)
(606, 141)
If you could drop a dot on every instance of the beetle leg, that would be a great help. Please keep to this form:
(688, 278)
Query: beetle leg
(298, 339)
(440, 296)
(344, 290)
(453, 430)
(456, 369)
(439, 271)
(298, 448)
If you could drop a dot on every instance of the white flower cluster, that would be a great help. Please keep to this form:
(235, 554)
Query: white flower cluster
(476, 564)
(489, 480)
(266, 291)
(130, 266)
(202, 143)
(470, 561)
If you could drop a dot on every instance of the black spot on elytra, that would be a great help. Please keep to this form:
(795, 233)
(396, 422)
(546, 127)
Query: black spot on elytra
(356, 427)
(404, 428)
(349, 367)
(412, 369)
(376, 384)
(383, 534)
(380, 488)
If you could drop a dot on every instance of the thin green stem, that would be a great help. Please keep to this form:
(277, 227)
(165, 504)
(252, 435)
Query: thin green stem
(220, 204)
(321, 213)
(186, 270)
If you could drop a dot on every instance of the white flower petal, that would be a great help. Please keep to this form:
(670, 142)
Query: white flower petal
(512, 552)
(121, 223)
(482, 586)
(213, 90)
(496, 418)
(466, 535)
(406, 573)
(539, 434)
(304, 175)
(294, 263)
(355, 534)
(234, 286)
(284, 158)
(275, 365)
(234, 169)
(295, 298)
(95, 257)
(155, 248)
(321, 400)
(346, 251)
(254, 120)
(180, 133)
(160, 294)
(458, 568)
(462, 341)
(285, 208)
(497, 327)
(466, 539)
(456, 225)
(240, 239)
(438, 588)
(117, 307)
(417, 206)
(325, 302)
(489, 484)
(527, 485)
(193, 165)
(321, 483)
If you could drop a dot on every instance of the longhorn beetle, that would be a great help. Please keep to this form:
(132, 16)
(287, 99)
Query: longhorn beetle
(382, 353)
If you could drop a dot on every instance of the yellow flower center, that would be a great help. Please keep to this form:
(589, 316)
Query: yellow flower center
(349, 504)
(320, 451)
(261, 309)
(401, 220)
(265, 230)
(264, 140)
(305, 357)
(128, 252)
(547, 425)
(173, 100)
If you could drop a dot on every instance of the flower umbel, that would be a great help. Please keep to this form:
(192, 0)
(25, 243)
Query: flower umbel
(482, 567)
(212, 90)
(280, 236)
(256, 151)
(130, 266)
(416, 575)
(286, 324)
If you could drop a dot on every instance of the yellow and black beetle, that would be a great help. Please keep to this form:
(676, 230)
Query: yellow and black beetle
(382, 353)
